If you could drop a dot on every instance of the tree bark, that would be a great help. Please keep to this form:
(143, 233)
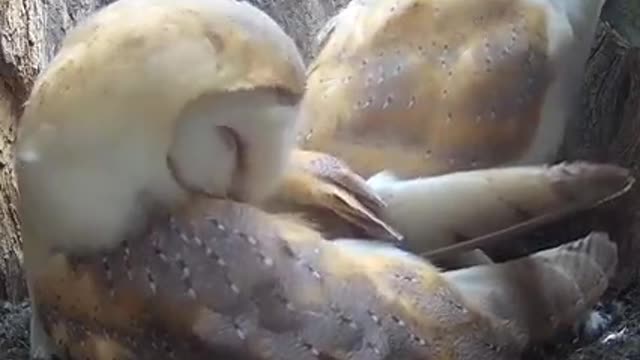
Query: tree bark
(605, 130)
(11, 282)
(30, 32)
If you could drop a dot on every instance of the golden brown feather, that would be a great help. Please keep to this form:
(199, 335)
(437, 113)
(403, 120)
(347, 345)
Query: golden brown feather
(423, 87)
(338, 200)
(227, 280)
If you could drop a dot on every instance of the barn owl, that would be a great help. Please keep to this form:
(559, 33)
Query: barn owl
(144, 154)
(425, 87)
(404, 90)
(144, 105)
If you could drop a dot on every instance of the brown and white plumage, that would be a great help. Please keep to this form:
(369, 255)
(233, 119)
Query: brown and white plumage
(145, 104)
(424, 87)
(228, 280)
(152, 108)
(403, 90)
(340, 202)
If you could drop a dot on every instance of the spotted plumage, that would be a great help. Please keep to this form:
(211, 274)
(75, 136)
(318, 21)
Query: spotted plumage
(424, 87)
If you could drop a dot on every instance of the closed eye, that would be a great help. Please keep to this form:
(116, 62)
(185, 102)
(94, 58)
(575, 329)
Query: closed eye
(233, 141)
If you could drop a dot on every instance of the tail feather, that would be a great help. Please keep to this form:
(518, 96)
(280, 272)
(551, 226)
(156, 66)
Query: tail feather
(545, 291)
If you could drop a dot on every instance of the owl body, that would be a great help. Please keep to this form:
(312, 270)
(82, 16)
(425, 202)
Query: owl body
(423, 87)
(231, 281)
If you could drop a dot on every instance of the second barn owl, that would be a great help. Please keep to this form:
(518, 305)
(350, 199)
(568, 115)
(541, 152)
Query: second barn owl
(424, 87)
(403, 90)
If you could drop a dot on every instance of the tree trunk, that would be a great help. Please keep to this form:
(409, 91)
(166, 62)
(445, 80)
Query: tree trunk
(30, 32)
(11, 282)
(606, 129)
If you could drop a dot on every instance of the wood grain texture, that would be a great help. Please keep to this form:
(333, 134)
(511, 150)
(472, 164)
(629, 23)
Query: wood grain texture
(607, 128)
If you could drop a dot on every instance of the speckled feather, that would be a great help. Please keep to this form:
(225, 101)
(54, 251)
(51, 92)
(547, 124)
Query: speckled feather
(137, 108)
(229, 280)
(422, 87)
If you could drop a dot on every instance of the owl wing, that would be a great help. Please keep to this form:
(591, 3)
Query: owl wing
(447, 215)
(229, 281)
(225, 280)
(326, 190)
(426, 87)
